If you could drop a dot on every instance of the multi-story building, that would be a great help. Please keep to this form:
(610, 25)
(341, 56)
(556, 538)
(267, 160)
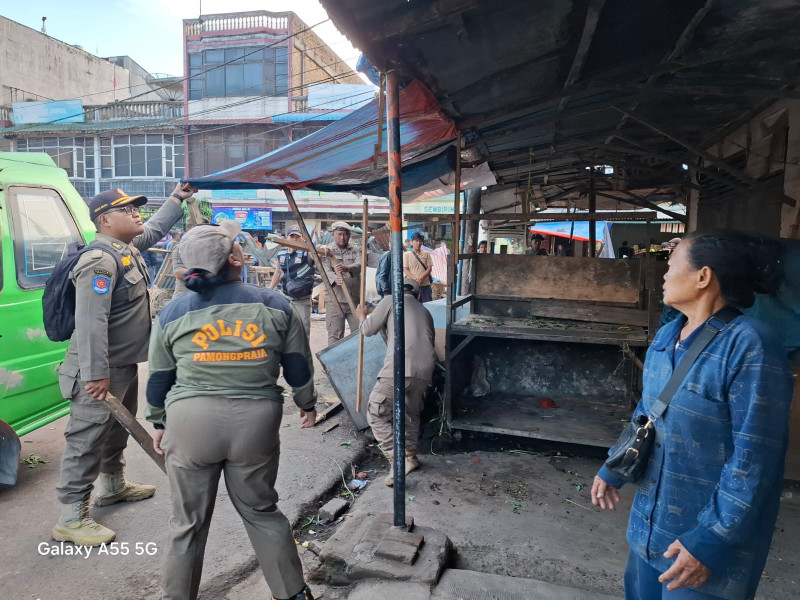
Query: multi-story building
(253, 82)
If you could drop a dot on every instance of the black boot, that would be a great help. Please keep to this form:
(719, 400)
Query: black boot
(304, 594)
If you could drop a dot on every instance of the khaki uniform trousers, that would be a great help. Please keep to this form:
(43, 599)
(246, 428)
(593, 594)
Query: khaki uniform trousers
(380, 412)
(335, 323)
(303, 308)
(205, 437)
(95, 440)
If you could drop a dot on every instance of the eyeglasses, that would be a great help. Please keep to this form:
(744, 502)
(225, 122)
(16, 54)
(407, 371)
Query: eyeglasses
(126, 209)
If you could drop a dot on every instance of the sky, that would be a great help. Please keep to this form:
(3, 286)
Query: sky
(150, 31)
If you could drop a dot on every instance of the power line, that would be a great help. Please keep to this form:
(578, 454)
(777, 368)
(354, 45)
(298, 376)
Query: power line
(138, 85)
(258, 49)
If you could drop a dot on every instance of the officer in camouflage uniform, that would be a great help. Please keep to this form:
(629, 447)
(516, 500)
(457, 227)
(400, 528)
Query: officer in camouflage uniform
(112, 327)
(346, 273)
(213, 397)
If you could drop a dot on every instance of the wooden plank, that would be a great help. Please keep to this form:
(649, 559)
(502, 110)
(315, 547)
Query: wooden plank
(542, 217)
(550, 329)
(463, 301)
(566, 309)
(558, 277)
(573, 421)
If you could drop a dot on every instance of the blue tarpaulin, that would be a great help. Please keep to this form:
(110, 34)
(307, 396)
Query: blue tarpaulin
(341, 157)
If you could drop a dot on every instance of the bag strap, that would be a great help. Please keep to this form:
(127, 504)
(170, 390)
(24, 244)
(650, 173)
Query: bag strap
(711, 328)
(419, 260)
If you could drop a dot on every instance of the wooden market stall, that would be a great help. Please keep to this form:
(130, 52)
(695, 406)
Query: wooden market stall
(550, 346)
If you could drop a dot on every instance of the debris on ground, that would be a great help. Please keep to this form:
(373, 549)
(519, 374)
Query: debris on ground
(357, 484)
(33, 461)
(332, 509)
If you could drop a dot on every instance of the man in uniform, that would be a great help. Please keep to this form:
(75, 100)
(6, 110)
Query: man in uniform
(297, 267)
(420, 362)
(347, 272)
(112, 328)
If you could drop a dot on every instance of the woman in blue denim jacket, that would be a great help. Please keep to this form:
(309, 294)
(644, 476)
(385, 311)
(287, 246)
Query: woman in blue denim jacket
(702, 519)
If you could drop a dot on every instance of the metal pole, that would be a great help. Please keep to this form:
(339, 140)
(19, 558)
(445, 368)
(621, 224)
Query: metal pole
(396, 226)
(457, 224)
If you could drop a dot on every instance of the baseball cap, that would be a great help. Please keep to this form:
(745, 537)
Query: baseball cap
(294, 230)
(414, 285)
(341, 225)
(111, 199)
(208, 246)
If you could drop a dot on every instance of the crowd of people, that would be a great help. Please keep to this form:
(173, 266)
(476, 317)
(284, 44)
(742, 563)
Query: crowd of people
(702, 520)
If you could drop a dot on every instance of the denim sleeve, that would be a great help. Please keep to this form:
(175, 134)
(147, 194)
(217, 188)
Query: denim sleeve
(759, 395)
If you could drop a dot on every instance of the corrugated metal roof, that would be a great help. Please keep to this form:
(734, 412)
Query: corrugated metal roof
(88, 127)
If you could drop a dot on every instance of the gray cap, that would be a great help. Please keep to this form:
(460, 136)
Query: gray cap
(208, 247)
(341, 225)
(412, 282)
(294, 230)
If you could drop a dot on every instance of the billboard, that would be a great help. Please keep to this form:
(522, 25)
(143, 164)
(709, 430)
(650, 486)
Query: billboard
(59, 111)
(247, 217)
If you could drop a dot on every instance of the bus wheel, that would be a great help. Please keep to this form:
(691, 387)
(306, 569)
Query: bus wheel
(9, 454)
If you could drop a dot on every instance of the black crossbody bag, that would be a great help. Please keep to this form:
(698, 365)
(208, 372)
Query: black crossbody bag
(632, 450)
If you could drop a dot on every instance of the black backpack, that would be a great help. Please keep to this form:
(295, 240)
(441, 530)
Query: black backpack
(58, 301)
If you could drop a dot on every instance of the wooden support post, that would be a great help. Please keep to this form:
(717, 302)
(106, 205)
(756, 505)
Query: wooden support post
(362, 300)
(348, 296)
(592, 209)
(334, 301)
(457, 220)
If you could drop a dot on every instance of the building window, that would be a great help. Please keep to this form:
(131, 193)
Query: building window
(249, 71)
(222, 148)
(147, 155)
(68, 153)
(43, 229)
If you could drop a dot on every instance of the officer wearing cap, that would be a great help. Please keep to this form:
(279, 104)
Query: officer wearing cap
(214, 399)
(420, 360)
(347, 272)
(295, 273)
(112, 327)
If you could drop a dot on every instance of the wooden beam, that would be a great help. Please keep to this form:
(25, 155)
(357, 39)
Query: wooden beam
(538, 216)
(681, 43)
(301, 222)
(697, 90)
(589, 28)
(710, 158)
(639, 201)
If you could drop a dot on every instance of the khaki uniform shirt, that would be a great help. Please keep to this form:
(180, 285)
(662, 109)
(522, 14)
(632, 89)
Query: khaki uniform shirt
(413, 265)
(350, 256)
(234, 343)
(420, 357)
(112, 321)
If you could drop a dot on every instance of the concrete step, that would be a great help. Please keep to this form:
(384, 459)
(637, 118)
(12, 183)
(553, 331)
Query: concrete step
(456, 584)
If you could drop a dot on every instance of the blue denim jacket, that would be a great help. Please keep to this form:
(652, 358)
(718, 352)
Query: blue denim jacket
(715, 476)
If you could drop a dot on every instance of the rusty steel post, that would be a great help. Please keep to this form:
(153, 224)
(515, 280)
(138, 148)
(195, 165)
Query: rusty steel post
(396, 226)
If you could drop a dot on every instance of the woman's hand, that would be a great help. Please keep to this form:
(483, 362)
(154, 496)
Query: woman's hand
(157, 435)
(604, 494)
(686, 571)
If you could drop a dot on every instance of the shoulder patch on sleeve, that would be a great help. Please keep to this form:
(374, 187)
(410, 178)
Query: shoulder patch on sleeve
(101, 284)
